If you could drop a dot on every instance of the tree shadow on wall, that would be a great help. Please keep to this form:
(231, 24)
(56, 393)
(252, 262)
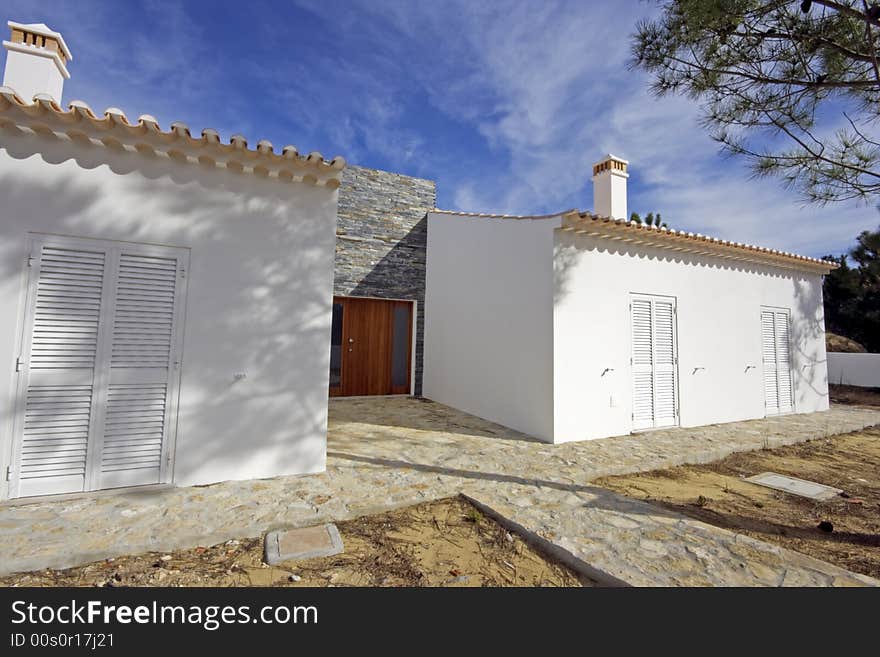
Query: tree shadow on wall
(255, 307)
(807, 325)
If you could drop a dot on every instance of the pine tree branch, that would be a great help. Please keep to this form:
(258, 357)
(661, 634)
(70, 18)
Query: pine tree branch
(849, 11)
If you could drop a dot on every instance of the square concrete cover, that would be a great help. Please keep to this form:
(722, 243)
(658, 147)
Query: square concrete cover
(795, 486)
(304, 543)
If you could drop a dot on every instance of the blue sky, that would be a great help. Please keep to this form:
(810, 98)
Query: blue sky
(505, 104)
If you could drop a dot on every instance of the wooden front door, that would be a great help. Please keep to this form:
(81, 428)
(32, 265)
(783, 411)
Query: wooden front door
(370, 347)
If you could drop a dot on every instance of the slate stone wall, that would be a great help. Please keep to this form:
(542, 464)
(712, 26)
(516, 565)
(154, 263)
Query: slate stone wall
(381, 240)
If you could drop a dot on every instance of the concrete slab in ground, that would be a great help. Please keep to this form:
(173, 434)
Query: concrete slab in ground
(795, 486)
(617, 540)
(386, 453)
(302, 543)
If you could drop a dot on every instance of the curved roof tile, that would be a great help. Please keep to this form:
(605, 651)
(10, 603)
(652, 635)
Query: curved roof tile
(146, 126)
(587, 222)
(663, 237)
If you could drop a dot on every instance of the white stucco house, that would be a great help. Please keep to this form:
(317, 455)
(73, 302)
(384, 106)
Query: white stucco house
(584, 325)
(145, 274)
(177, 309)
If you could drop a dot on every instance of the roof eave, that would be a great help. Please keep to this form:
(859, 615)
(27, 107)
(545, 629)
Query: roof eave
(681, 241)
(145, 134)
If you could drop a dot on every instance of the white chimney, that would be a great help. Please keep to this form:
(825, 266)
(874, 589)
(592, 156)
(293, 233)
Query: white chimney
(609, 187)
(36, 61)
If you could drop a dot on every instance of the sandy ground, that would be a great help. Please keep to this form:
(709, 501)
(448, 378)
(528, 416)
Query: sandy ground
(716, 494)
(443, 543)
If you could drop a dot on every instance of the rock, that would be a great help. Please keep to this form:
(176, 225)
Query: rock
(293, 578)
(842, 344)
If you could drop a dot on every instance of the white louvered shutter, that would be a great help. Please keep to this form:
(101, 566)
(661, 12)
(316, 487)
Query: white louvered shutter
(642, 365)
(783, 363)
(768, 356)
(60, 351)
(99, 368)
(654, 363)
(664, 364)
(776, 358)
(142, 366)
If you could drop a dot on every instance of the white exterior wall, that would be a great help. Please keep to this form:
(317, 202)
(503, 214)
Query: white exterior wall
(258, 303)
(854, 369)
(489, 319)
(719, 330)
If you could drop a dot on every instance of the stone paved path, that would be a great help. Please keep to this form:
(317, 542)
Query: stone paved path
(387, 453)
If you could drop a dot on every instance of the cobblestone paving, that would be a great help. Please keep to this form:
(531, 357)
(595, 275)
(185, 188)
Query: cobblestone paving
(387, 453)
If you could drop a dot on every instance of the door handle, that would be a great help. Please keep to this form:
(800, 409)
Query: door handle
(351, 341)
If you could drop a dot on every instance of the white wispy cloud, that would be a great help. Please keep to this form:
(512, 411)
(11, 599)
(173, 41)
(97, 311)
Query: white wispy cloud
(547, 87)
(506, 105)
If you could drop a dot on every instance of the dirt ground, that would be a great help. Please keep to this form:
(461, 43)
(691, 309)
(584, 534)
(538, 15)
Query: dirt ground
(443, 543)
(854, 396)
(716, 493)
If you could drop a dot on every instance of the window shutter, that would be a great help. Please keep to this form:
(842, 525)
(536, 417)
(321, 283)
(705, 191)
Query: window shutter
(642, 365)
(783, 363)
(664, 364)
(60, 351)
(654, 363)
(776, 357)
(768, 354)
(141, 368)
(101, 343)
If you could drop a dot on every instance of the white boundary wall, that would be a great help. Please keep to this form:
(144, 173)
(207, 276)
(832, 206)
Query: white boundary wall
(854, 369)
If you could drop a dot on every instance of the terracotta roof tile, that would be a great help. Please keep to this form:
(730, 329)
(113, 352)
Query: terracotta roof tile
(145, 134)
(586, 222)
(679, 240)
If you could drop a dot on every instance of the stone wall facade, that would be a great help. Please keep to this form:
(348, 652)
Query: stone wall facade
(381, 241)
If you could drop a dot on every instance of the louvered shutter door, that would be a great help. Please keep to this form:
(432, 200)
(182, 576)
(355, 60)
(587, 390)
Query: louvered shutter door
(664, 364)
(783, 364)
(654, 363)
(768, 355)
(642, 365)
(142, 367)
(55, 412)
(101, 350)
(776, 357)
